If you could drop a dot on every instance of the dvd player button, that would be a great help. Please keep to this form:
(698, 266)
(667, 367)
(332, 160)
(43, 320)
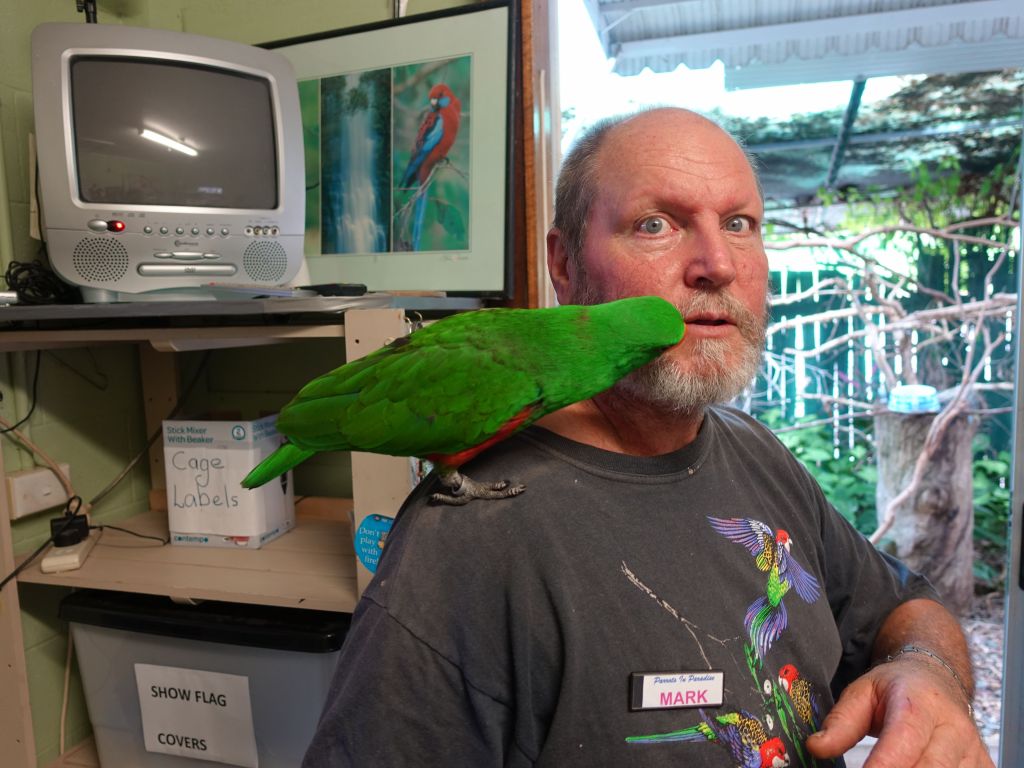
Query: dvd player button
(97, 225)
(225, 231)
(188, 255)
(164, 230)
(180, 270)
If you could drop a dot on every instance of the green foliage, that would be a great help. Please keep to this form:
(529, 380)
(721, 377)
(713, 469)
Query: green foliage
(849, 480)
(847, 477)
(991, 513)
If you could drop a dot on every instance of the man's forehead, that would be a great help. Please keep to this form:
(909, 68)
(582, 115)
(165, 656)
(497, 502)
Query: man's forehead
(652, 168)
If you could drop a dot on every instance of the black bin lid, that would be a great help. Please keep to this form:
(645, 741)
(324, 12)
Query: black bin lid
(259, 626)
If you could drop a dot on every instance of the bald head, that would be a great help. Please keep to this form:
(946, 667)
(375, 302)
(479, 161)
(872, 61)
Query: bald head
(617, 137)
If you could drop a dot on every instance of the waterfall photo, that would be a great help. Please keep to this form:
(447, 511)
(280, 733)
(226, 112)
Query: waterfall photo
(355, 177)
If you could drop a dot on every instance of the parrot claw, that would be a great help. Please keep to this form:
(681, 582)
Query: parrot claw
(463, 490)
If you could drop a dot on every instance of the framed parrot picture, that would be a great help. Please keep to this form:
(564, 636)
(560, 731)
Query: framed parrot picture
(408, 144)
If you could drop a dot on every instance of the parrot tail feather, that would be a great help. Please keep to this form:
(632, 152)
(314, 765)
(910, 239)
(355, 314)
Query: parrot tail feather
(276, 464)
(765, 624)
(699, 732)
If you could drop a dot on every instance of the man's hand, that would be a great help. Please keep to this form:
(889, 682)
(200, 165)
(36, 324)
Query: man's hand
(916, 706)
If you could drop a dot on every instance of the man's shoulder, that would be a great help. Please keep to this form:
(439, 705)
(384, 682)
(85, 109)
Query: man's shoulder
(732, 421)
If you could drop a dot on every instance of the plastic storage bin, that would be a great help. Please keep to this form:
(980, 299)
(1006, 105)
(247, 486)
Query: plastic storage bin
(287, 656)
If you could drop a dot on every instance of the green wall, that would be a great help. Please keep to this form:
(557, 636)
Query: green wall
(88, 401)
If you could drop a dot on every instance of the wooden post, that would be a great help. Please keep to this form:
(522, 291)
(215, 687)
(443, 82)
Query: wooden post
(933, 530)
(379, 483)
(17, 742)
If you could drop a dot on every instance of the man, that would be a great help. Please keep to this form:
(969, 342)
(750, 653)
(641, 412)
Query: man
(672, 588)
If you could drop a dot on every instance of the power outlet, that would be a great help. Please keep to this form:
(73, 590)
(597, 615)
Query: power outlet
(34, 490)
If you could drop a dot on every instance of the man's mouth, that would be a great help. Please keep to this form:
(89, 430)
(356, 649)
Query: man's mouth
(708, 321)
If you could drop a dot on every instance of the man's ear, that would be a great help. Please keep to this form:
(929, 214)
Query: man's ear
(558, 265)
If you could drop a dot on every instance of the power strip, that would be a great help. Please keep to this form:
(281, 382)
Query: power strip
(68, 558)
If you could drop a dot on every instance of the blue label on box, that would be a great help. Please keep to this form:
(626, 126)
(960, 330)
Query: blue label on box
(369, 539)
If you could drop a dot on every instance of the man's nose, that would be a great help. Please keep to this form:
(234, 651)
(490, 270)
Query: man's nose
(710, 260)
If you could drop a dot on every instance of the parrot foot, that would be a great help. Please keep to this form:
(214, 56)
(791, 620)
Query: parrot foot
(463, 490)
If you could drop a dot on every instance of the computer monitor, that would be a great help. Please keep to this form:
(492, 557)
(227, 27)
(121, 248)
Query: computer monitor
(168, 162)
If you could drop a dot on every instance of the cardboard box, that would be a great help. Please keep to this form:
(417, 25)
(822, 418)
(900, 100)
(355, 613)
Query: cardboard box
(205, 462)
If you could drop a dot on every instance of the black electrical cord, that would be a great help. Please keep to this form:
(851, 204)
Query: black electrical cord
(70, 511)
(89, 7)
(32, 406)
(35, 283)
(133, 533)
(77, 501)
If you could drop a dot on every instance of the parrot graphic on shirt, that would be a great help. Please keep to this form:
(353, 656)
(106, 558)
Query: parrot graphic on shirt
(766, 617)
(434, 139)
(801, 694)
(451, 389)
(741, 733)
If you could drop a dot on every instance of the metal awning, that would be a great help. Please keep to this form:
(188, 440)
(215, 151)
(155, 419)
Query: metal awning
(785, 42)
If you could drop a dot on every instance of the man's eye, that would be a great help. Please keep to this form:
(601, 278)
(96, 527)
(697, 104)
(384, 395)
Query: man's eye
(739, 224)
(654, 225)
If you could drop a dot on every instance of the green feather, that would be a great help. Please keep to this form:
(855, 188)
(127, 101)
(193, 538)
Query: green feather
(454, 384)
(280, 461)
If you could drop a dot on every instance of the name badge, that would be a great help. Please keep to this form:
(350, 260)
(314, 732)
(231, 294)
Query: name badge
(675, 690)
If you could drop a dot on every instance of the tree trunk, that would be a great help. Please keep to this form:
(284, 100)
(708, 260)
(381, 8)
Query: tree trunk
(933, 529)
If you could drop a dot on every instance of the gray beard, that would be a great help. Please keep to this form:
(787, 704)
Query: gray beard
(713, 379)
(661, 384)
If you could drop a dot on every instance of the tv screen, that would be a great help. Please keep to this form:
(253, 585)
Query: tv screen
(167, 133)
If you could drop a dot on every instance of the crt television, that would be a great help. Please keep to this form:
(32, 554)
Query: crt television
(168, 162)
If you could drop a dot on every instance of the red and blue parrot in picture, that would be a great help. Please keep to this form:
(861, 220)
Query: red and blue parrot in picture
(434, 139)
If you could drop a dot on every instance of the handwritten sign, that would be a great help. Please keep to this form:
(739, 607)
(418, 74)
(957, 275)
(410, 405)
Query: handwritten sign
(197, 714)
(205, 462)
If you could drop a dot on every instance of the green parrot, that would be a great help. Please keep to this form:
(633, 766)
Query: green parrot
(450, 390)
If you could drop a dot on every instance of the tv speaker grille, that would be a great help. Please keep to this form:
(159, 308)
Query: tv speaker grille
(100, 259)
(265, 260)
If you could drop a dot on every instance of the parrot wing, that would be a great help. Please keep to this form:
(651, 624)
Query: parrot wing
(428, 136)
(752, 534)
(803, 582)
(412, 399)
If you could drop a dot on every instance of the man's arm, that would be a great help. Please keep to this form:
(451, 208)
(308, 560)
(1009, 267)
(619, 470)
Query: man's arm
(916, 699)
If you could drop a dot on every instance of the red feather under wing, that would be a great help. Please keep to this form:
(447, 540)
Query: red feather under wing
(454, 460)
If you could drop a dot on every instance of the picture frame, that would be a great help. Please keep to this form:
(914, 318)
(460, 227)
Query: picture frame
(408, 145)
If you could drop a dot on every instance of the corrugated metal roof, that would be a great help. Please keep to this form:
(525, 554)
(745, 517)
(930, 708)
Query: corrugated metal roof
(781, 42)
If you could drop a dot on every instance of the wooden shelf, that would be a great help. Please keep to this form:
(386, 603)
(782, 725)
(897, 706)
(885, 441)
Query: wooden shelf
(80, 756)
(312, 566)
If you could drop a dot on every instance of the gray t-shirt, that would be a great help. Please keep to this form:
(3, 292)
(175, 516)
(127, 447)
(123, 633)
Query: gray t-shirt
(524, 632)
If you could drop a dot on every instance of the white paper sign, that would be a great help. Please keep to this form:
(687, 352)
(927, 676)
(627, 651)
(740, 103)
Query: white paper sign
(197, 714)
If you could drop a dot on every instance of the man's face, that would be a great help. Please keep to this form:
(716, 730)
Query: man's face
(678, 215)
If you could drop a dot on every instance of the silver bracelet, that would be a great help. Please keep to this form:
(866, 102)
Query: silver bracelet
(942, 661)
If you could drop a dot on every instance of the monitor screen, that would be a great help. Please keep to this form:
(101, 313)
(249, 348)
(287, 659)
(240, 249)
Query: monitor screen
(168, 133)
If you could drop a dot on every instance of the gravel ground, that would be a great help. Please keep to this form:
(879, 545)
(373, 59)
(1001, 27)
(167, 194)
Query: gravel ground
(984, 629)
